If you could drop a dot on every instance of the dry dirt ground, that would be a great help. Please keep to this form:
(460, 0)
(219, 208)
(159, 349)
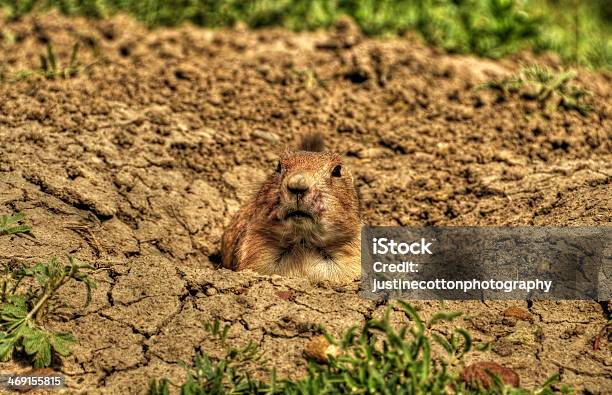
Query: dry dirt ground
(136, 165)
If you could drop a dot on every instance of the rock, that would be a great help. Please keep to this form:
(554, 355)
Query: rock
(374, 153)
(507, 157)
(519, 313)
(285, 295)
(320, 349)
(264, 135)
(503, 348)
(525, 335)
(478, 374)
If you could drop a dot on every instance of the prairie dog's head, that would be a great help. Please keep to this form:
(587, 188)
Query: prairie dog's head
(311, 197)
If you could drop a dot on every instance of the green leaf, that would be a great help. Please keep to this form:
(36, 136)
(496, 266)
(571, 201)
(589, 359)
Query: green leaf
(51, 58)
(6, 224)
(15, 308)
(412, 313)
(443, 342)
(498, 384)
(16, 218)
(18, 229)
(544, 388)
(7, 344)
(467, 344)
(43, 357)
(61, 342)
(44, 65)
(159, 387)
(442, 316)
(73, 55)
(33, 339)
(83, 277)
(426, 360)
(40, 272)
(37, 343)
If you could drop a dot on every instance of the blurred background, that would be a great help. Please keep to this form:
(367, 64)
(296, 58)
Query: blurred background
(578, 31)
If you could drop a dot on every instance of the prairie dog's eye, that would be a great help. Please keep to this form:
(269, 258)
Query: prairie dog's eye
(279, 167)
(337, 171)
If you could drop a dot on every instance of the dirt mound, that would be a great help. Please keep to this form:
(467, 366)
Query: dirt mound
(136, 165)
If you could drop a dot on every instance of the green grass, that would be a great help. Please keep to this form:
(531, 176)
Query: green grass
(375, 358)
(50, 67)
(579, 31)
(552, 90)
(11, 224)
(22, 308)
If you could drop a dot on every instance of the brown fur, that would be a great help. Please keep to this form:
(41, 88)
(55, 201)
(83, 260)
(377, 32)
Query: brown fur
(312, 233)
(312, 142)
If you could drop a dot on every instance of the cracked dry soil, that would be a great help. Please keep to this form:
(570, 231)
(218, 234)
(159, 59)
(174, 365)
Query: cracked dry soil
(137, 164)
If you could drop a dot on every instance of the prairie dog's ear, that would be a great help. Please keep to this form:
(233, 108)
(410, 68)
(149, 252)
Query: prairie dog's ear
(313, 142)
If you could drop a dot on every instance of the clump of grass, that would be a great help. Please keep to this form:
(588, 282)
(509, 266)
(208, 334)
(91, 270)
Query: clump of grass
(308, 78)
(50, 67)
(11, 224)
(22, 310)
(375, 358)
(208, 376)
(551, 89)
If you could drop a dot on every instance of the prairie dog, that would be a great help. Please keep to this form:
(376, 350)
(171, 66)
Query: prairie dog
(303, 221)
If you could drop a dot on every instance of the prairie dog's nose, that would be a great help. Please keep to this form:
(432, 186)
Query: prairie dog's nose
(299, 183)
